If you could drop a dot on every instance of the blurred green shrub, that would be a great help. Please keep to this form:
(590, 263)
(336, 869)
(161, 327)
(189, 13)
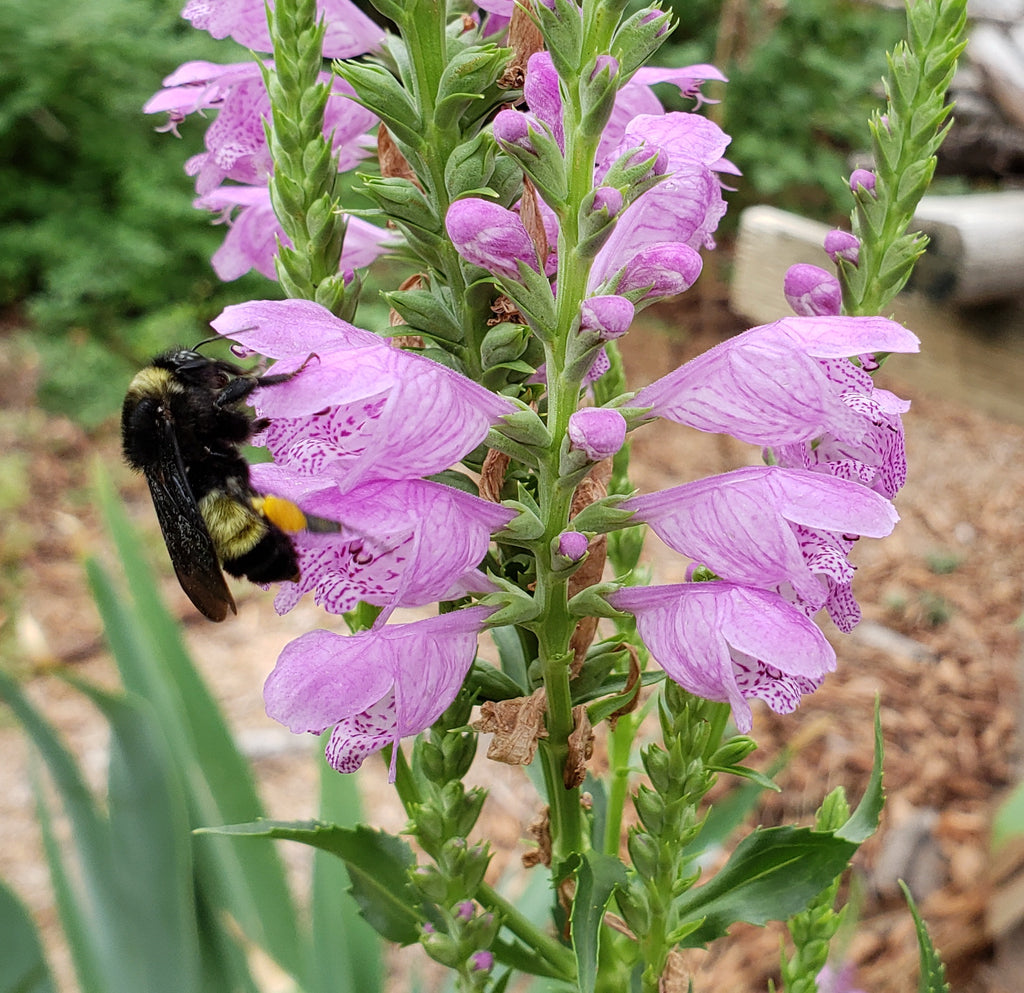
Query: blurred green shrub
(803, 77)
(100, 248)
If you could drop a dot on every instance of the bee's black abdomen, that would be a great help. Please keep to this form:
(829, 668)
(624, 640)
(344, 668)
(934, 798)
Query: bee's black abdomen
(271, 560)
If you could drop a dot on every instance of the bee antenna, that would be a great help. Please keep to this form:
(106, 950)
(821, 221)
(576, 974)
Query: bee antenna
(206, 341)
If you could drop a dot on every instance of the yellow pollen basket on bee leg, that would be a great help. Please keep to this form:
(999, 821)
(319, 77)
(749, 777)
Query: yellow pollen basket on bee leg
(285, 514)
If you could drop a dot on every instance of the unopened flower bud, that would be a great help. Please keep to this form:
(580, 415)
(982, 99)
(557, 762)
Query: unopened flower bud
(864, 178)
(572, 546)
(812, 292)
(482, 961)
(513, 127)
(441, 948)
(597, 431)
(607, 317)
(465, 910)
(841, 244)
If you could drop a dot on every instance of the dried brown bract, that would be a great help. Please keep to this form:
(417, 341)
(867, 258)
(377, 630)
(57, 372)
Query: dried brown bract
(533, 220)
(492, 474)
(393, 164)
(581, 748)
(524, 39)
(540, 831)
(517, 726)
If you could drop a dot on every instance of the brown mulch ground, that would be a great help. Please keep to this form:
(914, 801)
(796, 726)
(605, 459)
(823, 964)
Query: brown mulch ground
(939, 645)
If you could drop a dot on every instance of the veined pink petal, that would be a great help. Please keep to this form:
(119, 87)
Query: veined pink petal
(375, 413)
(542, 94)
(681, 135)
(404, 543)
(768, 385)
(349, 31)
(727, 642)
(378, 686)
(288, 328)
(832, 337)
(743, 524)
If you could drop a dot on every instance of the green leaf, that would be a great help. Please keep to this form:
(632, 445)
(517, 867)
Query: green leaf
(378, 865)
(127, 909)
(773, 874)
(730, 812)
(148, 835)
(864, 820)
(933, 972)
(597, 878)
(154, 664)
(151, 884)
(489, 683)
(23, 967)
(84, 954)
(90, 839)
(346, 951)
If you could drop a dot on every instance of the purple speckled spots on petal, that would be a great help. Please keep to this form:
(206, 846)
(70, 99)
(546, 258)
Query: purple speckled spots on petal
(359, 736)
(781, 691)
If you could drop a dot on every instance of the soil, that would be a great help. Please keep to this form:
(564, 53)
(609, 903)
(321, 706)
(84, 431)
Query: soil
(939, 646)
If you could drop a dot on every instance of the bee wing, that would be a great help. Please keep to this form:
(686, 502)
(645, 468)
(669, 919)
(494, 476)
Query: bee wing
(187, 538)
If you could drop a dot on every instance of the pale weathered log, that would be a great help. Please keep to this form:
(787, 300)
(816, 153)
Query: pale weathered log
(1001, 63)
(976, 254)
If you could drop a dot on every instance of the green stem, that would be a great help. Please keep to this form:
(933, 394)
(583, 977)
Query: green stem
(553, 951)
(620, 750)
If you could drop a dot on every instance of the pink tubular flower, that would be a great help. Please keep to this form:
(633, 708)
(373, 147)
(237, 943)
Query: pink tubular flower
(778, 384)
(771, 528)
(236, 143)
(403, 543)
(727, 642)
(254, 232)
(349, 31)
(375, 687)
(687, 205)
(811, 291)
(360, 410)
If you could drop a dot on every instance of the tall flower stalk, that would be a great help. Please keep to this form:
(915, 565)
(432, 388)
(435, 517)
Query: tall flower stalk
(541, 197)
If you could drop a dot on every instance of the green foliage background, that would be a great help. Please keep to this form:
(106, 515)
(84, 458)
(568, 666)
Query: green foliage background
(804, 75)
(101, 252)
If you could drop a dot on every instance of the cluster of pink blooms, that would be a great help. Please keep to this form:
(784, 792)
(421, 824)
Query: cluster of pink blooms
(355, 435)
(232, 173)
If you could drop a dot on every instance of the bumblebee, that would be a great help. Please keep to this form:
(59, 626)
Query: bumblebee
(182, 426)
